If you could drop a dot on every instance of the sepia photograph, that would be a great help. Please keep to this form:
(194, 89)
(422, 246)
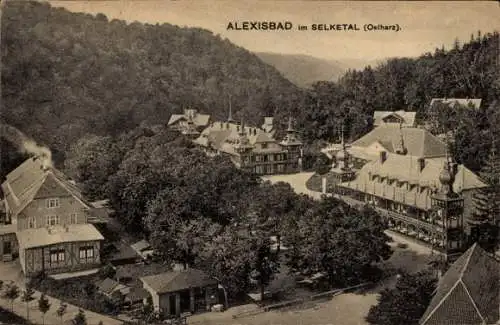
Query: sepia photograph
(291, 162)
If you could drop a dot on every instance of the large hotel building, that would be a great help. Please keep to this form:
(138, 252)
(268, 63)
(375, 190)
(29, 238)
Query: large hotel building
(408, 176)
(254, 149)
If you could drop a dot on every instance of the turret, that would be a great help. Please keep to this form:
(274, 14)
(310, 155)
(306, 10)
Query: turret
(293, 146)
(447, 206)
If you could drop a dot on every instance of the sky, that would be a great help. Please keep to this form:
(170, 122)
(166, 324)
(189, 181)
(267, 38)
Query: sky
(424, 25)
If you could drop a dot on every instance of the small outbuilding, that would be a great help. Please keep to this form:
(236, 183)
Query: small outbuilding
(177, 292)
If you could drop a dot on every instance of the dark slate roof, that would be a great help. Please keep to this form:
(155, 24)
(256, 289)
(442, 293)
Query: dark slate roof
(107, 285)
(136, 294)
(468, 293)
(418, 142)
(178, 280)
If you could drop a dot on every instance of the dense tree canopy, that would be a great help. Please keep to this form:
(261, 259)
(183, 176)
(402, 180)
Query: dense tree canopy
(340, 241)
(67, 74)
(406, 303)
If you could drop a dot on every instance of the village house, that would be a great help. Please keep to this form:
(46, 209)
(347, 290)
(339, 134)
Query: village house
(397, 118)
(190, 123)
(408, 176)
(254, 149)
(180, 291)
(46, 222)
(468, 293)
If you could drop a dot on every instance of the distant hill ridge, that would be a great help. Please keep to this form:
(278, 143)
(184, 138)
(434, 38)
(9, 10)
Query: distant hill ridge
(304, 70)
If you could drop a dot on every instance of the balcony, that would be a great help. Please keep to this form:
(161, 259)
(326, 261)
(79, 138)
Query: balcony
(431, 227)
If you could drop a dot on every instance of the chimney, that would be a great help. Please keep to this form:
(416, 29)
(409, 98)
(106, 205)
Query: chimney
(421, 164)
(227, 126)
(383, 156)
(255, 131)
(238, 128)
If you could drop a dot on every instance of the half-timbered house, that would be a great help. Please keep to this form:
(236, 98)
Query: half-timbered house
(46, 221)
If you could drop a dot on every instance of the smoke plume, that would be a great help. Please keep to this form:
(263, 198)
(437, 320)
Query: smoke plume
(26, 145)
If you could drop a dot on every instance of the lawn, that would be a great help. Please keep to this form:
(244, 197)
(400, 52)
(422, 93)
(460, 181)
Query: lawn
(315, 183)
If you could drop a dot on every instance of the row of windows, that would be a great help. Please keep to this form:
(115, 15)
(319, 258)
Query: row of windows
(398, 183)
(59, 255)
(272, 157)
(268, 169)
(52, 220)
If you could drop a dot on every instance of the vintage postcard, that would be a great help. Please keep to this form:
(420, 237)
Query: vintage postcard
(249, 162)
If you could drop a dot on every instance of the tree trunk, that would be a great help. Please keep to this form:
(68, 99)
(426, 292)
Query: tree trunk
(262, 291)
(278, 242)
(27, 311)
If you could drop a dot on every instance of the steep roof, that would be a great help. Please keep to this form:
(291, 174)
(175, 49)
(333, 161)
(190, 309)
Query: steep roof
(467, 102)
(418, 142)
(406, 169)
(197, 118)
(178, 280)
(407, 117)
(31, 180)
(223, 136)
(468, 293)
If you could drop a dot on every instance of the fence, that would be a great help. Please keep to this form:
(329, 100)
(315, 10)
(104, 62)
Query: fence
(289, 303)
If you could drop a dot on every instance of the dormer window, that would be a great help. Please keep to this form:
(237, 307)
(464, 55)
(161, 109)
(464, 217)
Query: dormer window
(264, 146)
(52, 203)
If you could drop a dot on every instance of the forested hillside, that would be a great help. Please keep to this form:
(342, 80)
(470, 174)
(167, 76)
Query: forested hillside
(66, 74)
(304, 70)
(470, 70)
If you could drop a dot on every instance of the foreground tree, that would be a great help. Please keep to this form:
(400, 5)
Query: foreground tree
(80, 318)
(406, 303)
(487, 203)
(61, 311)
(11, 293)
(43, 306)
(27, 297)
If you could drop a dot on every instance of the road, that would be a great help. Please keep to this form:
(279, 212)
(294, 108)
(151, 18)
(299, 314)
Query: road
(297, 181)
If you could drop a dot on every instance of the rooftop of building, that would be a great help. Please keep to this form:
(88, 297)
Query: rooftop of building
(46, 236)
(403, 117)
(35, 180)
(468, 293)
(466, 102)
(178, 280)
(413, 175)
(226, 136)
(190, 114)
(418, 142)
